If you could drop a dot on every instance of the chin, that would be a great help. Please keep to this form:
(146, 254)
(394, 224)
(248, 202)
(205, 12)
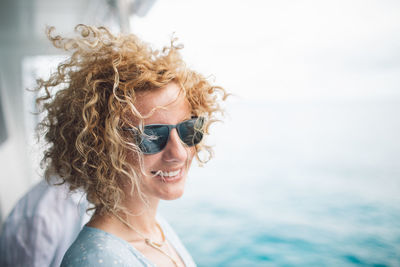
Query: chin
(173, 196)
(172, 192)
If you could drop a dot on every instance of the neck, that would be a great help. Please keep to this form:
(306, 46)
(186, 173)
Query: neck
(140, 216)
(139, 226)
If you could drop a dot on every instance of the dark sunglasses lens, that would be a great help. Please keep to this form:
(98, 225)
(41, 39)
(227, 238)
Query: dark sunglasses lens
(154, 139)
(191, 131)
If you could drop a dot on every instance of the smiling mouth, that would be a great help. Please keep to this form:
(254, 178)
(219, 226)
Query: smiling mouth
(167, 176)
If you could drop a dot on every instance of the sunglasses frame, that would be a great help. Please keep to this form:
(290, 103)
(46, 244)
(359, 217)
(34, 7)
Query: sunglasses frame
(170, 127)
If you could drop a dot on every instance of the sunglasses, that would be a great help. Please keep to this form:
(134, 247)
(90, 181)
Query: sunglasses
(155, 136)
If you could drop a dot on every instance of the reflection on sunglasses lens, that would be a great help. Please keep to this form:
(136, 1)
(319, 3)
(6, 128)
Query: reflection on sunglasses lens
(155, 137)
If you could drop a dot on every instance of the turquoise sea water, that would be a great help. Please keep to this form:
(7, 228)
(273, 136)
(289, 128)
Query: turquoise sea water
(321, 188)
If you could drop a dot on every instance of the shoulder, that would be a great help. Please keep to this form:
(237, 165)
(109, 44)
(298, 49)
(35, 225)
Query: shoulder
(29, 219)
(44, 197)
(41, 226)
(44, 210)
(94, 247)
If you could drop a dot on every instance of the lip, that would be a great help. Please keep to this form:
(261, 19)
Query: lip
(172, 179)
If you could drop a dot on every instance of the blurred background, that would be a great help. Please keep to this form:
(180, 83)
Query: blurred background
(307, 162)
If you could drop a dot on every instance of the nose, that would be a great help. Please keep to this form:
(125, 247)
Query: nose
(174, 151)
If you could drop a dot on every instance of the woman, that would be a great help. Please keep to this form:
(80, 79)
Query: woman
(124, 126)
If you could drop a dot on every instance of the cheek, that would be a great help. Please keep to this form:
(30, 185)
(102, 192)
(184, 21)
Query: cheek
(150, 160)
(191, 154)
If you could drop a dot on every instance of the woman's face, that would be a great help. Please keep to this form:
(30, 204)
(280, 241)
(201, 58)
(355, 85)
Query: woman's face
(166, 171)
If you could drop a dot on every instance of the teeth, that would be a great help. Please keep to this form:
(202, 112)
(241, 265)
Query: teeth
(169, 174)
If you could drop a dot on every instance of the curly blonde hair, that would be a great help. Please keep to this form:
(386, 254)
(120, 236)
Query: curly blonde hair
(96, 88)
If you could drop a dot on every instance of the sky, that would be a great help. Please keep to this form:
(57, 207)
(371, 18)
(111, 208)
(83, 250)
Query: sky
(285, 50)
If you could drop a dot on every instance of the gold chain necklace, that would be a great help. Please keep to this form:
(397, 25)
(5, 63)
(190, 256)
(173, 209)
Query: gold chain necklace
(148, 241)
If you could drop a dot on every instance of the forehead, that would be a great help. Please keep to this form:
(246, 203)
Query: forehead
(166, 102)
